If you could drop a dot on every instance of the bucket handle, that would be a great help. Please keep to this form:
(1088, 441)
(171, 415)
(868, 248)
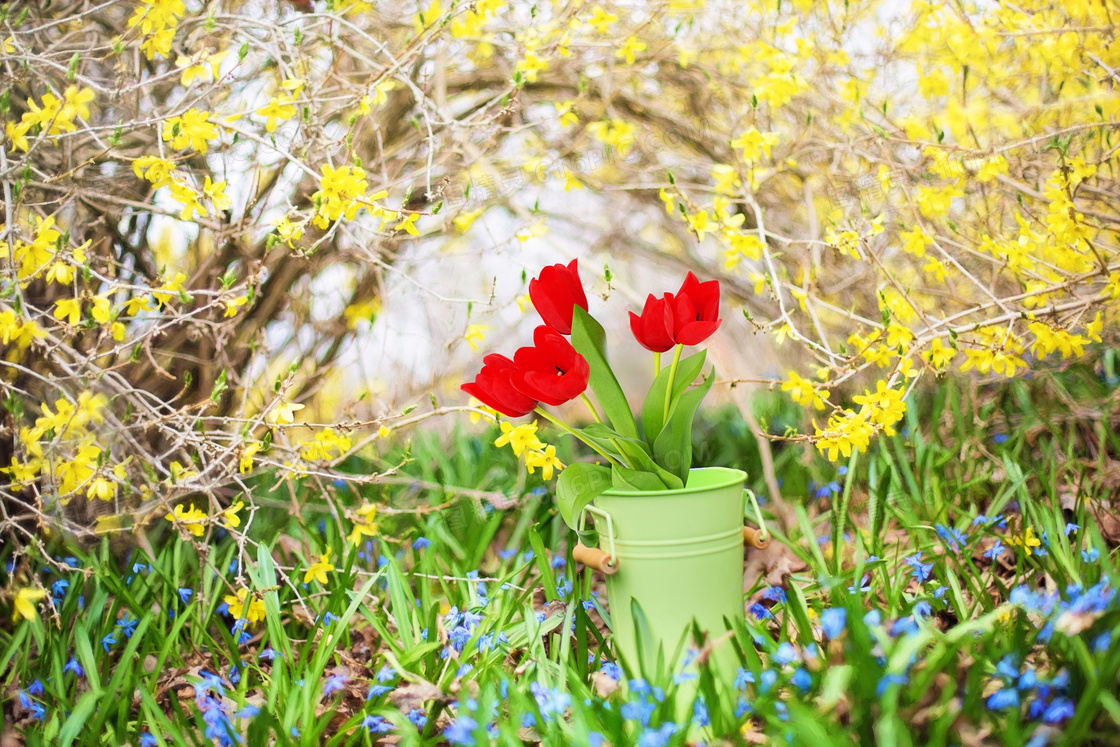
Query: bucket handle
(757, 538)
(607, 562)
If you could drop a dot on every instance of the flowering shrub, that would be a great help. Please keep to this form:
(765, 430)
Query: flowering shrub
(206, 208)
(554, 371)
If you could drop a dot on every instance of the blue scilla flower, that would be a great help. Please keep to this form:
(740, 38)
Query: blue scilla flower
(147, 739)
(185, 595)
(1008, 666)
(594, 739)
(1059, 710)
(1091, 555)
(108, 641)
(612, 670)
(35, 688)
(954, 538)
(904, 626)
(127, 624)
(921, 570)
(801, 679)
(658, 738)
(742, 677)
(75, 667)
(333, 684)
(418, 718)
(785, 654)
(767, 680)
(775, 594)
(831, 488)
(58, 589)
(461, 730)
(923, 609)
(1101, 642)
(994, 551)
(558, 561)
(833, 622)
(248, 711)
(1007, 697)
(550, 702)
(640, 711)
(376, 724)
(421, 543)
(760, 612)
(700, 715)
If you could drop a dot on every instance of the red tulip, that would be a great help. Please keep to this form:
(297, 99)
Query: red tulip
(555, 292)
(695, 311)
(492, 387)
(654, 328)
(551, 371)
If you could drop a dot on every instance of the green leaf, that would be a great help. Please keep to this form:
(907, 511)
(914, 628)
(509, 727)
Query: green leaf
(577, 486)
(653, 412)
(644, 462)
(605, 433)
(590, 341)
(634, 451)
(673, 447)
(624, 478)
(540, 556)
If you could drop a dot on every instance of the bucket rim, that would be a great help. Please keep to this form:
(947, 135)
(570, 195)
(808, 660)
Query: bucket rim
(734, 477)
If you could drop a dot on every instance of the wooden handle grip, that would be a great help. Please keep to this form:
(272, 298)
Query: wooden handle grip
(756, 538)
(595, 558)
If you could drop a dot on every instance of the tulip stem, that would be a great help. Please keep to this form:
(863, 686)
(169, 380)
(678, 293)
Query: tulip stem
(599, 420)
(656, 364)
(672, 376)
(591, 406)
(573, 432)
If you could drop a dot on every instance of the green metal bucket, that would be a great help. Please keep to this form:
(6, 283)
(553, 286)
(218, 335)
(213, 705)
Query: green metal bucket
(680, 557)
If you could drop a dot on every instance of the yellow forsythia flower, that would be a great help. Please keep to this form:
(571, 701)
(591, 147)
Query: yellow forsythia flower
(24, 605)
(193, 520)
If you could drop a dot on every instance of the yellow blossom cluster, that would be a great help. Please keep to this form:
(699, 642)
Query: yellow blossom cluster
(194, 521)
(847, 431)
(52, 116)
(325, 441)
(365, 523)
(341, 194)
(802, 391)
(525, 444)
(61, 448)
(245, 605)
(157, 20)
